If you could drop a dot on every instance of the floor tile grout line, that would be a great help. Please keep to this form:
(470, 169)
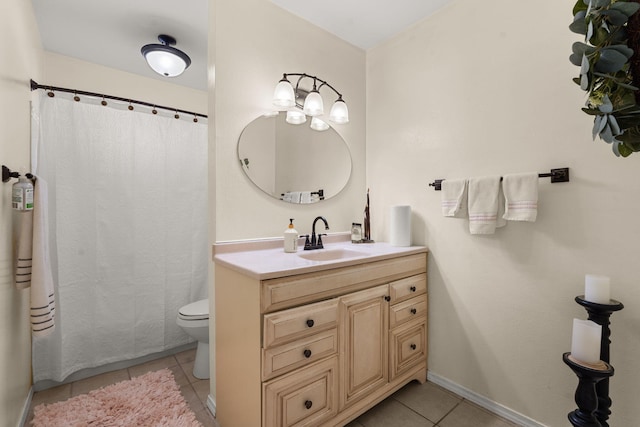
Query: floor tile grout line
(450, 411)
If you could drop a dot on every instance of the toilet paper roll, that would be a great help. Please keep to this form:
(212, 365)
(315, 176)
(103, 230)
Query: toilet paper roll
(400, 225)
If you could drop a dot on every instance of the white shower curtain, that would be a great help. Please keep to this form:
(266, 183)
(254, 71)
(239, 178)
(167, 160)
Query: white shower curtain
(128, 218)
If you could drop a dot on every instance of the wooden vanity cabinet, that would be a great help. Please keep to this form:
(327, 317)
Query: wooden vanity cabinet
(320, 348)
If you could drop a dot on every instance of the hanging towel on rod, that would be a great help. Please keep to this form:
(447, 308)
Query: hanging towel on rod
(484, 205)
(454, 198)
(23, 249)
(43, 303)
(521, 195)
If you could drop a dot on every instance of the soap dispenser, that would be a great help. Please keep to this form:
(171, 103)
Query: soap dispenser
(290, 238)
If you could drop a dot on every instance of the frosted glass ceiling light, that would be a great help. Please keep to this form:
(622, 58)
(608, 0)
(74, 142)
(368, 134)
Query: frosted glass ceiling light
(339, 112)
(295, 117)
(165, 59)
(313, 105)
(319, 125)
(285, 96)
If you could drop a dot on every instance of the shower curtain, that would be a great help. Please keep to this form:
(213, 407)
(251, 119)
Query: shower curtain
(128, 230)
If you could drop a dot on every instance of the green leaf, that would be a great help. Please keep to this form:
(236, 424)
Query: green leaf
(601, 3)
(614, 147)
(579, 27)
(621, 48)
(615, 17)
(610, 61)
(584, 65)
(598, 125)
(614, 124)
(606, 134)
(576, 59)
(582, 48)
(624, 150)
(584, 82)
(628, 8)
(580, 5)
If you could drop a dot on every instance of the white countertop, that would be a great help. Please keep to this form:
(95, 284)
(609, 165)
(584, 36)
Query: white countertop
(266, 259)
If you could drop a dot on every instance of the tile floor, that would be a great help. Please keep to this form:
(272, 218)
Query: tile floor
(424, 405)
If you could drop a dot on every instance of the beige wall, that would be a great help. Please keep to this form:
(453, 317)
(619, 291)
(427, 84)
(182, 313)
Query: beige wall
(485, 88)
(20, 59)
(256, 42)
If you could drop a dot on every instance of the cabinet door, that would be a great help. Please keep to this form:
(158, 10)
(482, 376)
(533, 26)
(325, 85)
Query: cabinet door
(305, 397)
(364, 318)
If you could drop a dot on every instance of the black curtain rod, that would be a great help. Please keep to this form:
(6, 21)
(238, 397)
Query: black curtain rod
(35, 86)
(556, 175)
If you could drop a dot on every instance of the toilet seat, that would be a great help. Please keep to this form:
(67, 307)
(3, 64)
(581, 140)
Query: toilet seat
(198, 310)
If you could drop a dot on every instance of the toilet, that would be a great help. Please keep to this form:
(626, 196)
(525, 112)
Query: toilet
(194, 319)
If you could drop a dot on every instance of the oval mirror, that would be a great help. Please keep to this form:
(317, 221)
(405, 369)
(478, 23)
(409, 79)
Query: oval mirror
(293, 162)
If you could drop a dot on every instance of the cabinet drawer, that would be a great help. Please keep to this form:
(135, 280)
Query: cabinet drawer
(288, 325)
(407, 310)
(408, 288)
(407, 346)
(301, 289)
(304, 397)
(285, 358)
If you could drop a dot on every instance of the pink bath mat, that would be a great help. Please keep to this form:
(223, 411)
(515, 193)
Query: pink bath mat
(151, 399)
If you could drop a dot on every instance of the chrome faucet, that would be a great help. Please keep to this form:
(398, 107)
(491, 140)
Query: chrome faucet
(316, 241)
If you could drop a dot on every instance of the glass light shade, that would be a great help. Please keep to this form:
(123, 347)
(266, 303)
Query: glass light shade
(166, 60)
(295, 117)
(319, 125)
(313, 104)
(339, 112)
(283, 96)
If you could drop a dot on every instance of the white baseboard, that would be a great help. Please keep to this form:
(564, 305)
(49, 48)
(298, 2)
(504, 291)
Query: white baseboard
(25, 408)
(486, 403)
(211, 405)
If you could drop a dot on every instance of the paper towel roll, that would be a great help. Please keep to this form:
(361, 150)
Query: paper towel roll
(400, 225)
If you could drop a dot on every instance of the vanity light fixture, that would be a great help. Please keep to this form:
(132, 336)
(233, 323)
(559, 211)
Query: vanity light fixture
(285, 97)
(165, 59)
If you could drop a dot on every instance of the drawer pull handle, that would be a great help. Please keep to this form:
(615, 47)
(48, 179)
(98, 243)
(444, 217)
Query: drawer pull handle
(387, 298)
(310, 323)
(414, 311)
(413, 346)
(412, 289)
(308, 404)
(307, 353)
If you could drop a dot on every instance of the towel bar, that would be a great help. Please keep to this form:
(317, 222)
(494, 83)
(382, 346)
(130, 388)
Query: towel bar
(556, 175)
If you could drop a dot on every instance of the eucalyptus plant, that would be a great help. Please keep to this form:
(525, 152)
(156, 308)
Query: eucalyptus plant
(606, 60)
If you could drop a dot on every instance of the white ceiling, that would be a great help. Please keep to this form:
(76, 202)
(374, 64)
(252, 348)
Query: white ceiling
(111, 33)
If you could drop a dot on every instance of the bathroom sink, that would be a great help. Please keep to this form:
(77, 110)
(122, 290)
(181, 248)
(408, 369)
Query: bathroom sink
(330, 254)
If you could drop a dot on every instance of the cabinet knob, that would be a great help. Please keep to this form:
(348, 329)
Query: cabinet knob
(414, 311)
(307, 353)
(308, 404)
(412, 289)
(310, 323)
(413, 346)
(387, 298)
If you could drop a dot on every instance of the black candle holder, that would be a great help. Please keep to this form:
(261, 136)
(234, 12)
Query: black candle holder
(586, 396)
(600, 314)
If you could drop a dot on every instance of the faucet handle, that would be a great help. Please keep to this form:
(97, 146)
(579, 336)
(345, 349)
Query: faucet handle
(319, 244)
(307, 243)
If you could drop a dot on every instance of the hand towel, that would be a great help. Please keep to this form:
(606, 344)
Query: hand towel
(43, 303)
(484, 196)
(305, 197)
(292, 197)
(454, 198)
(521, 197)
(23, 250)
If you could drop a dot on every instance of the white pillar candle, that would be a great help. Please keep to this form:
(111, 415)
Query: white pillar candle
(585, 341)
(597, 289)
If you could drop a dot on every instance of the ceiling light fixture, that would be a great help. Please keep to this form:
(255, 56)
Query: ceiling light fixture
(285, 97)
(165, 59)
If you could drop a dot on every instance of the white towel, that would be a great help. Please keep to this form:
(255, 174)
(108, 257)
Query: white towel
(305, 197)
(43, 304)
(292, 197)
(484, 201)
(454, 198)
(521, 196)
(23, 250)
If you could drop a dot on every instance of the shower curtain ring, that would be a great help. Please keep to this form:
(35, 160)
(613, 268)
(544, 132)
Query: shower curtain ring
(76, 97)
(154, 111)
(177, 116)
(104, 103)
(130, 107)
(195, 119)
